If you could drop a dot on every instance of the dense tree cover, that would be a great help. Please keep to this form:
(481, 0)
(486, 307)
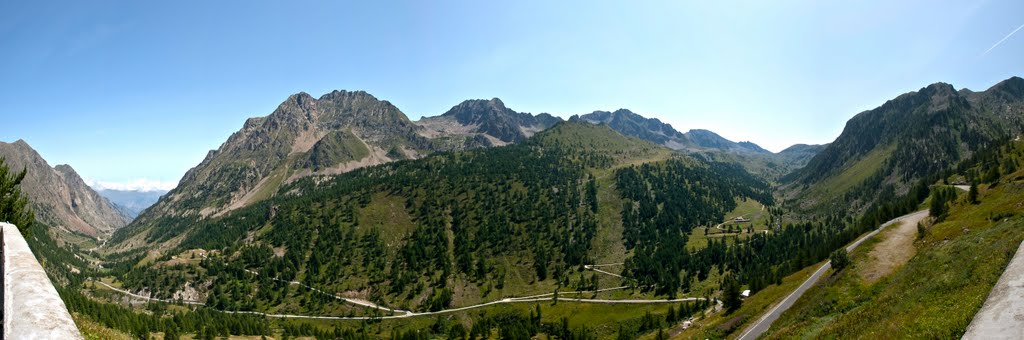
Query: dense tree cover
(13, 204)
(201, 321)
(533, 201)
(663, 202)
(506, 324)
(305, 329)
(56, 260)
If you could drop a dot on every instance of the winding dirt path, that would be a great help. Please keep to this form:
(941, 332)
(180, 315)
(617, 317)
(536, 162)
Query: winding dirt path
(895, 249)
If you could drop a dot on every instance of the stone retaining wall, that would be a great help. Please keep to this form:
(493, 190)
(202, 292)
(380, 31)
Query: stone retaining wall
(32, 308)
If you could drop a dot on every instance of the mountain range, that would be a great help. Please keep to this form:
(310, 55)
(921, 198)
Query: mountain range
(342, 131)
(653, 130)
(484, 205)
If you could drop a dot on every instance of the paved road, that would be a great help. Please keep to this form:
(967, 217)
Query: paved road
(1002, 315)
(765, 322)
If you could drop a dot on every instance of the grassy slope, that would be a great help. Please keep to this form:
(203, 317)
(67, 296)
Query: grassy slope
(855, 174)
(935, 295)
(387, 213)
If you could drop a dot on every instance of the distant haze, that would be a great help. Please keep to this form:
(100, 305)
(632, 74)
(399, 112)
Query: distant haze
(131, 202)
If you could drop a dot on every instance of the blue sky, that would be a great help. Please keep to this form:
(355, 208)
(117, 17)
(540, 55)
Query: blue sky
(133, 91)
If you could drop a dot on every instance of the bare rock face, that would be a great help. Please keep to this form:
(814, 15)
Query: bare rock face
(338, 132)
(490, 119)
(59, 197)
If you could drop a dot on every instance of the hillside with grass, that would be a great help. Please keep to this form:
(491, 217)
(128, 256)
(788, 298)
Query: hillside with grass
(958, 254)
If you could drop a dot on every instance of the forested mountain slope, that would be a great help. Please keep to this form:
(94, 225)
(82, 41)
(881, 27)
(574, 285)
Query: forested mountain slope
(458, 228)
(882, 152)
(59, 197)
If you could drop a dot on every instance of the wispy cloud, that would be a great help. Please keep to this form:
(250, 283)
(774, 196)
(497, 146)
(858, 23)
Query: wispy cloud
(141, 184)
(1002, 40)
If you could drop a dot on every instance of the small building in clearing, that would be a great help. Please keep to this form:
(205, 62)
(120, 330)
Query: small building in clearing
(745, 294)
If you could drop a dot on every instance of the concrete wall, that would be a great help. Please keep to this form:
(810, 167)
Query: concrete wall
(32, 308)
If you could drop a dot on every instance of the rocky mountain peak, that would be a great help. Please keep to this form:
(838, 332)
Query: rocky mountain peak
(337, 132)
(497, 104)
(493, 118)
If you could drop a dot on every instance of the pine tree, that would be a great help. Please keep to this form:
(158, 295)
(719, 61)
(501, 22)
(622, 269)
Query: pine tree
(12, 203)
(538, 316)
(972, 194)
(731, 294)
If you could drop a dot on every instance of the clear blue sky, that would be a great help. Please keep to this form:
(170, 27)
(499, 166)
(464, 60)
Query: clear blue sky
(124, 91)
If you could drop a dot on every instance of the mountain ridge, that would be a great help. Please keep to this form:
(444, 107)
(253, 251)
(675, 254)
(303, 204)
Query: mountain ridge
(654, 130)
(59, 196)
(914, 134)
